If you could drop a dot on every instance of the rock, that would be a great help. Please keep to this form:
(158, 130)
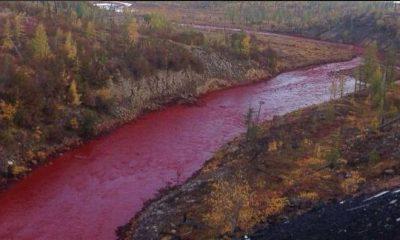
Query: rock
(232, 149)
(389, 171)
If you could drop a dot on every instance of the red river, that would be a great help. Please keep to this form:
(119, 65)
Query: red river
(90, 191)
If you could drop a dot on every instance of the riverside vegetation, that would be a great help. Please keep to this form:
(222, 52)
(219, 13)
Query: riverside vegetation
(71, 71)
(281, 168)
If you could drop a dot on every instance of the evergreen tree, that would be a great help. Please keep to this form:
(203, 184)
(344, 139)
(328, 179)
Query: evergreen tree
(370, 61)
(90, 29)
(74, 95)
(58, 38)
(18, 29)
(132, 31)
(70, 47)
(40, 44)
(7, 42)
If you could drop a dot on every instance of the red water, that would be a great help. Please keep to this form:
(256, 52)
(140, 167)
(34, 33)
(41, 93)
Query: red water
(90, 191)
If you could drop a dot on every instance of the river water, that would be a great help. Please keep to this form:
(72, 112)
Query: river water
(90, 191)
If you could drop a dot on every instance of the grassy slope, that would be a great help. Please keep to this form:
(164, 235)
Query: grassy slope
(313, 155)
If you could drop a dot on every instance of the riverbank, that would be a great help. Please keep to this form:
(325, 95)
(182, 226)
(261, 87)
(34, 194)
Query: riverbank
(311, 156)
(293, 54)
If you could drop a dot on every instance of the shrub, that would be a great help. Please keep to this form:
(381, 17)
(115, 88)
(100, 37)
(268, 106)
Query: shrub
(332, 157)
(374, 156)
(7, 111)
(190, 38)
(104, 101)
(230, 206)
(351, 184)
(88, 123)
(240, 43)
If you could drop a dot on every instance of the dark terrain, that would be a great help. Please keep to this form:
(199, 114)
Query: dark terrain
(365, 217)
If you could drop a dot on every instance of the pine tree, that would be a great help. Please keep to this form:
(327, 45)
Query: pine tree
(245, 45)
(90, 29)
(40, 44)
(58, 37)
(132, 31)
(370, 63)
(74, 95)
(70, 47)
(7, 42)
(18, 29)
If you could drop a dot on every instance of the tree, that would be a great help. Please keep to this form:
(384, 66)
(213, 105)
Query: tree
(74, 95)
(70, 47)
(7, 42)
(18, 29)
(156, 21)
(132, 31)
(240, 43)
(370, 63)
(272, 58)
(58, 37)
(40, 46)
(90, 29)
(390, 65)
(7, 111)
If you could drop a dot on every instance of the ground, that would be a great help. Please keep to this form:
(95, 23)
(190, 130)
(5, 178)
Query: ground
(364, 217)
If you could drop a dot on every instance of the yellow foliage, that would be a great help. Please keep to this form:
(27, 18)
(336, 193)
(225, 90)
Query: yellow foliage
(40, 44)
(274, 146)
(246, 45)
(41, 155)
(104, 93)
(90, 29)
(70, 47)
(306, 142)
(275, 205)
(310, 162)
(73, 122)
(351, 184)
(30, 154)
(37, 135)
(309, 196)
(375, 123)
(7, 43)
(17, 169)
(7, 111)
(132, 31)
(320, 151)
(230, 206)
(73, 91)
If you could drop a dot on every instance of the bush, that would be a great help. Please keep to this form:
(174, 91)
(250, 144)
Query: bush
(190, 38)
(54, 134)
(105, 103)
(374, 156)
(332, 157)
(88, 123)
